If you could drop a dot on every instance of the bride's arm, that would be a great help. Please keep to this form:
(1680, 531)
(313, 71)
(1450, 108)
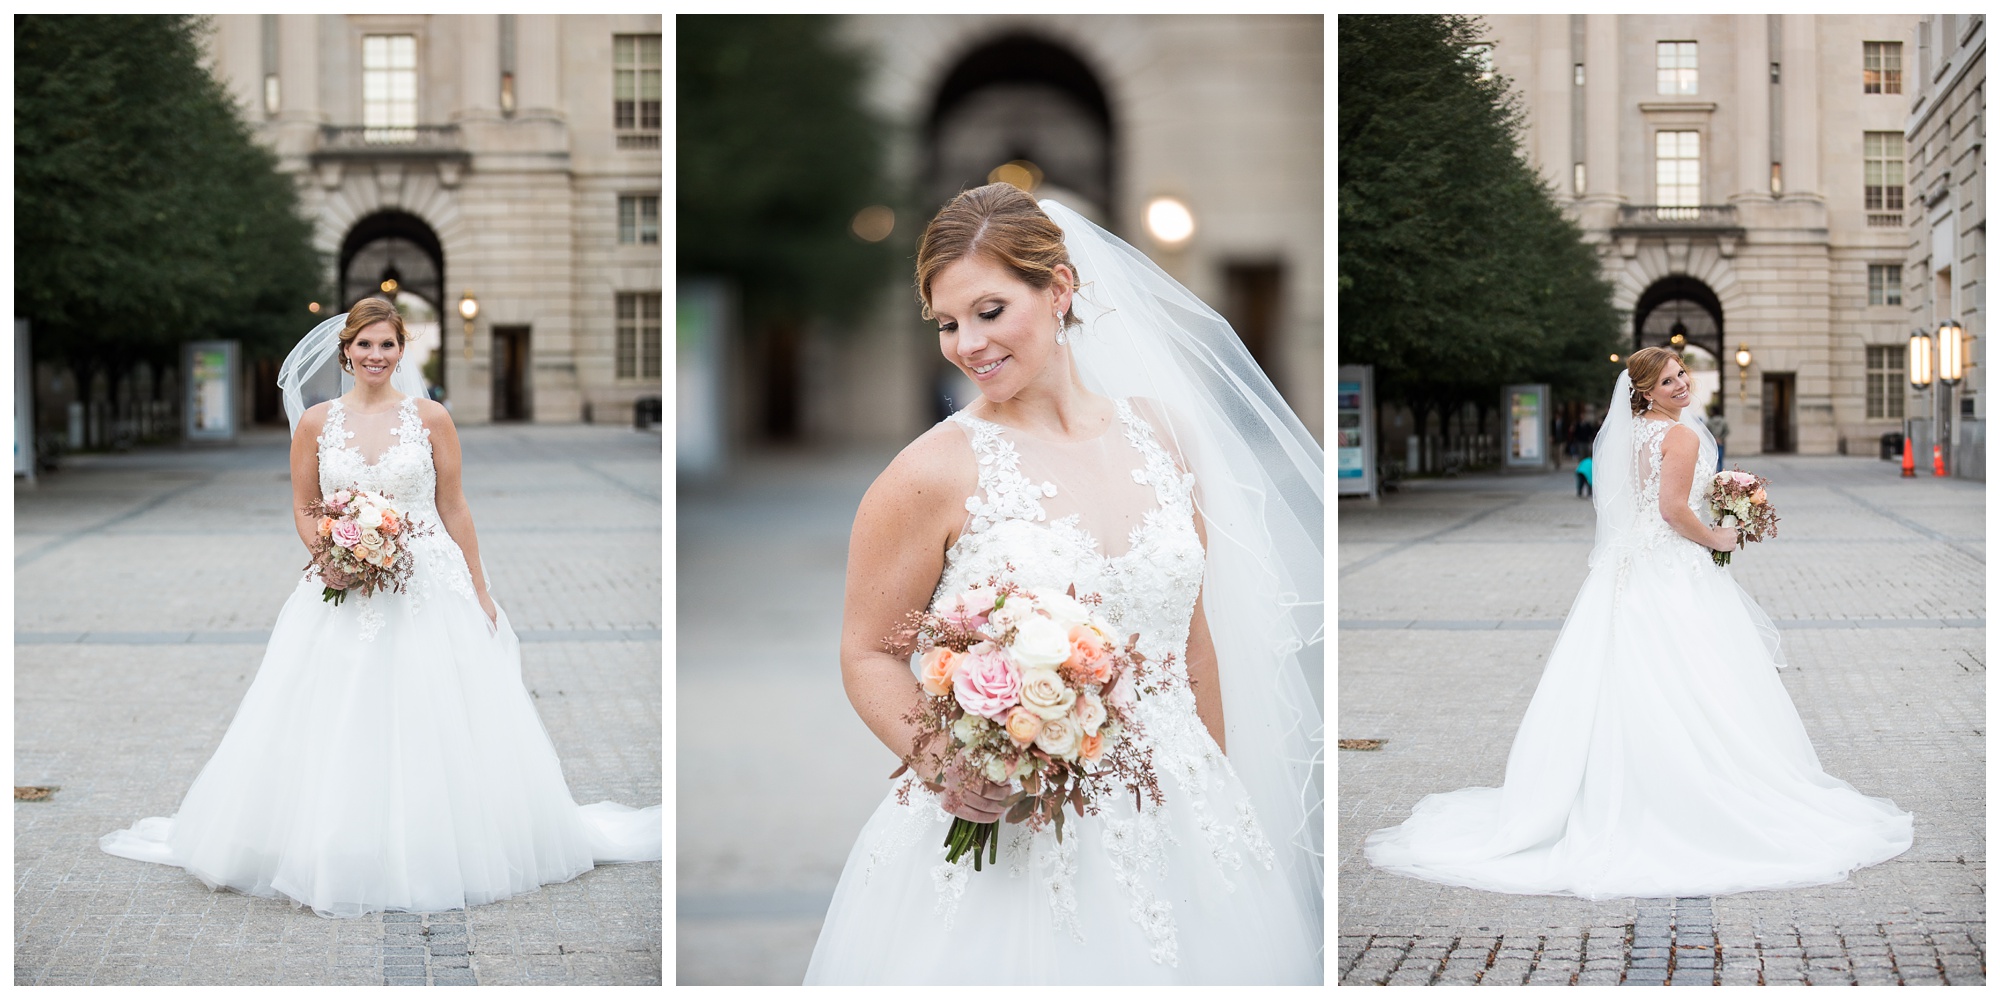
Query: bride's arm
(452, 508)
(1677, 458)
(1203, 673)
(906, 521)
(305, 471)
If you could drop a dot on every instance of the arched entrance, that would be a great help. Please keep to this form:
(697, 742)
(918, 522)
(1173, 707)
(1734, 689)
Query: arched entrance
(1022, 99)
(1684, 314)
(1024, 109)
(398, 246)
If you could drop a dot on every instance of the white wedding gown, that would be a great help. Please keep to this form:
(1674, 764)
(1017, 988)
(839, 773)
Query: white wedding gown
(387, 755)
(1660, 755)
(1186, 892)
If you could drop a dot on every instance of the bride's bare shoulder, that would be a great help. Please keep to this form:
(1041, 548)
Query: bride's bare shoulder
(938, 468)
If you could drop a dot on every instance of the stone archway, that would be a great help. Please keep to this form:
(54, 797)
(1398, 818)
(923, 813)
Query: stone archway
(1680, 286)
(1022, 98)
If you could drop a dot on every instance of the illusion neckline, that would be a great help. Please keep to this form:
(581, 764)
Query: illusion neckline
(1118, 420)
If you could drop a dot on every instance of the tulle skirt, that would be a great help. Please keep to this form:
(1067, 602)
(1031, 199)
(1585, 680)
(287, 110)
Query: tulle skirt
(406, 770)
(1660, 756)
(1180, 895)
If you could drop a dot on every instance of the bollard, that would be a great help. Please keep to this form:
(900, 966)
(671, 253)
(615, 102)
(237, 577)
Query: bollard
(1909, 459)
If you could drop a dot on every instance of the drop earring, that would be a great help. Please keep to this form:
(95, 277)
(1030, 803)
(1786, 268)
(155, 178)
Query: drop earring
(1061, 337)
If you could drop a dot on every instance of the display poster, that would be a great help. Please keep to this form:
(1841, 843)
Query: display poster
(211, 400)
(1354, 432)
(1527, 425)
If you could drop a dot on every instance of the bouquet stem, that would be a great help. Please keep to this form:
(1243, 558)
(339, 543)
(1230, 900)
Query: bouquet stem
(979, 838)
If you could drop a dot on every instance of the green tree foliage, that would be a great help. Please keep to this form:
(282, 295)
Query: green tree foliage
(1457, 271)
(776, 153)
(144, 213)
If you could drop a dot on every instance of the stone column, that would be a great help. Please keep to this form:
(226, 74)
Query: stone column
(538, 64)
(1601, 85)
(1551, 100)
(1753, 108)
(478, 47)
(1801, 83)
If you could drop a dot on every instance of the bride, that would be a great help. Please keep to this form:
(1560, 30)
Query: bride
(1660, 755)
(1123, 442)
(387, 756)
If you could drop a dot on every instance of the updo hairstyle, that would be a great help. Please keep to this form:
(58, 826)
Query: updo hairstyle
(365, 313)
(1003, 224)
(1647, 366)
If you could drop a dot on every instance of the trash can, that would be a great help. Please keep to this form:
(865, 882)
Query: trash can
(646, 412)
(1892, 446)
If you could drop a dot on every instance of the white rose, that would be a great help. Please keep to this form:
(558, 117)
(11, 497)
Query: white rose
(1002, 619)
(1090, 713)
(1066, 610)
(1040, 643)
(1060, 738)
(1044, 693)
(370, 516)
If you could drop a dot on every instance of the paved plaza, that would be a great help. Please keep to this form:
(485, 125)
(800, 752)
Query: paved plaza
(1450, 594)
(146, 585)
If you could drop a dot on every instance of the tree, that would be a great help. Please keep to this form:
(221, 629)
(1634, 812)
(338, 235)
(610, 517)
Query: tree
(145, 214)
(776, 154)
(1458, 273)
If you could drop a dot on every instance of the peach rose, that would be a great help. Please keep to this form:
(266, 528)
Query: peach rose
(1757, 496)
(325, 526)
(1092, 748)
(939, 667)
(1023, 726)
(1089, 654)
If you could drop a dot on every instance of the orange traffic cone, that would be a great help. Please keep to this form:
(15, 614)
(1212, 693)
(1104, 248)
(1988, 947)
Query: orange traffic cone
(1909, 459)
(1937, 460)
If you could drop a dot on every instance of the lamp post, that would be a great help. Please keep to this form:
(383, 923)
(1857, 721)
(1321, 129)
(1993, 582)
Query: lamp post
(1950, 368)
(468, 307)
(1920, 376)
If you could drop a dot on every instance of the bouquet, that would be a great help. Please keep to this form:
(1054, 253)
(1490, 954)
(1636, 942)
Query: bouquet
(1028, 689)
(1738, 500)
(362, 543)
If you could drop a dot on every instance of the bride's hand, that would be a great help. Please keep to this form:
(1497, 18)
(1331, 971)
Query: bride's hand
(972, 797)
(492, 612)
(1724, 539)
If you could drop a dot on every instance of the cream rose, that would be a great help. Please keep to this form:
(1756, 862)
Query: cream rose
(1060, 737)
(1066, 610)
(1002, 619)
(1040, 642)
(370, 516)
(1089, 713)
(1044, 693)
(370, 537)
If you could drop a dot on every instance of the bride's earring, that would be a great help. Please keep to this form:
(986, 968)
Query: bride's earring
(1061, 337)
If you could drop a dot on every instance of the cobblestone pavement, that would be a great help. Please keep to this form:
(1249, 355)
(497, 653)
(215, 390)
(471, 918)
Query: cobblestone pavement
(760, 840)
(145, 587)
(1450, 595)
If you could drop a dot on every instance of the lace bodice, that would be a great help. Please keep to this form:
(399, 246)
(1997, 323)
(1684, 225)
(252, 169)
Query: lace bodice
(406, 472)
(1150, 589)
(1655, 533)
(403, 471)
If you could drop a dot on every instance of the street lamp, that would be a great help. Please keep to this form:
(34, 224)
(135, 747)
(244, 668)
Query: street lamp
(1950, 368)
(468, 307)
(1920, 379)
(1170, 221)
(1742, 373)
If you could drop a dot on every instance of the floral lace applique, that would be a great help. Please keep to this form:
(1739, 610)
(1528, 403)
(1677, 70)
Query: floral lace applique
(1058, 860)
(1135, 846)
(371, 620)
(951, 880)
(1003, 492)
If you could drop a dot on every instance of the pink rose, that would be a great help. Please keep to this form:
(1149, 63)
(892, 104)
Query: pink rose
(338, 501)
(1120, 694)
(968, 610)
(346, 533)
(988, 684)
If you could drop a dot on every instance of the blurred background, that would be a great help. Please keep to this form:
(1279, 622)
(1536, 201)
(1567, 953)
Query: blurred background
(194, 193)
(811, 152)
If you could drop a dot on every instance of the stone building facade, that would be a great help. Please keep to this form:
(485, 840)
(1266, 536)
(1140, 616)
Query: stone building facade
(1744, 178)
(1945, 273)
(514, 158)
(1223, 113)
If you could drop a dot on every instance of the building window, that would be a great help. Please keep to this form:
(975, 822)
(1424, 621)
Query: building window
(1885, 284)
(1882, 177)
(639, 219)
(1881, 67)
(389, 87)
(635, 105)
(1677, 173)
(1676, 67)
(1482, 59)
(1885, 383)
(638, 334)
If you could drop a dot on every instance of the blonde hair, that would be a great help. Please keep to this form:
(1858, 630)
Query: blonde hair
(366, 313)
(1003, 224)
(1647, 366)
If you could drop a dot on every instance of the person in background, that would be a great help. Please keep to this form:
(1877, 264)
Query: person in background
(1718, 425)
(1583, 478)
